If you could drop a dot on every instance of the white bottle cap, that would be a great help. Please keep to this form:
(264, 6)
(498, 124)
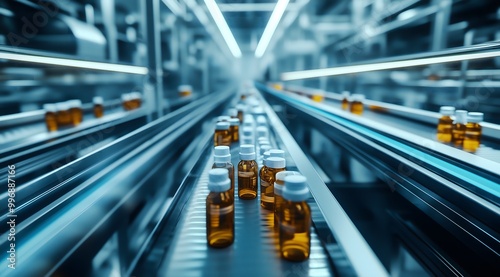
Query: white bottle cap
(248, 118)
(223, 118)
(358, 97)
(50, 108)
(183, 88)
(274, 162)
(126, 97)
(447, 110)
(295, 189)
(475, 117)
(262, 132)
(218, 180)
(248, 132)
(97, 100)
(247, 152)
(232, 112)
(279, 184)
(461, 116)
(222, 125)
(222, 154)
(346, 94)
(261, 121)
(234, 122)
(247, 140)
(74, 103)
(135, 95)
(264, 148)
(62, 106)
(277, 153)
(267, 155)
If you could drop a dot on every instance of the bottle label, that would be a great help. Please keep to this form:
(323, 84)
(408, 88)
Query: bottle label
(215, 209)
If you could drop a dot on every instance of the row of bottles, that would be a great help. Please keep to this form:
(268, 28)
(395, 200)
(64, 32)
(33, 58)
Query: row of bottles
(131, 101)
(69, 113)
(353, 103)
(285, 198)
(460, 128)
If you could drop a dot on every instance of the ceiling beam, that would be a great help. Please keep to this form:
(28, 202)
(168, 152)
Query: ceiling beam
(252, 7)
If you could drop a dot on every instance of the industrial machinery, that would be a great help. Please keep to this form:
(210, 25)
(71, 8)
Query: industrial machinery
(108, 111)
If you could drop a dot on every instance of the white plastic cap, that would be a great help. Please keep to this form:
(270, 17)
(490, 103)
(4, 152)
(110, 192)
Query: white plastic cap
(222, 125)
(234, 122)
(346, 94)
(461, 116)
(126, 97)
(358, 97)
(247, 152)
(279, 183)
(218, 180)
(277, 153)
(75, 103)
(247, 131)
(267, 155)
(62, 106)
(261, 120)
(182, 88)
(274, 162)
(135, 95)
(295, 189)
(262, 132)
(264, 148)
(223, 118)
(50, 108)
(447, 110)
(232, 112)
(475, 117)
(98, 100)
(247, 140)
(222, 154)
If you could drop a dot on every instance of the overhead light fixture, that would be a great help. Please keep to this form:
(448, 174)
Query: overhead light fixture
(274, 20)
(343, 70)
(221, 23)
(75, 63)
(174, 6)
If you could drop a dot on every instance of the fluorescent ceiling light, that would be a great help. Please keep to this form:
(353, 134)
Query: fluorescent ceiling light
(342, 70)
(221, 23)
(274, 20)
(75, 63)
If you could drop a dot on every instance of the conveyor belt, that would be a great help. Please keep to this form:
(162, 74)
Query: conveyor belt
(254, 251)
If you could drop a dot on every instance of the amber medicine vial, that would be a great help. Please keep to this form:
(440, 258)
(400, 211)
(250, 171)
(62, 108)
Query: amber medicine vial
(247, 173)
(279, 184)
(473, 130)
(63, 114)
(295, 226)
(357, 104)
(458, 131)
(50, 117)
(219, 209)
(272, 165)
(76, 111)
(222, 159)
(222, 135)
(98, 106)
(345, 100)
(445, 124)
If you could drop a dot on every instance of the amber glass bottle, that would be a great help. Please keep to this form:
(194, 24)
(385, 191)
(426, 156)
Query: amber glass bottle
(222, 135)
(458, 131)
(219, 209)
(445, 124)
(247, 173)
(295, 226)
(272, 165)
(473, 130)
(279, 184)
(50, 117)
(357, 105)
(98, 106)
